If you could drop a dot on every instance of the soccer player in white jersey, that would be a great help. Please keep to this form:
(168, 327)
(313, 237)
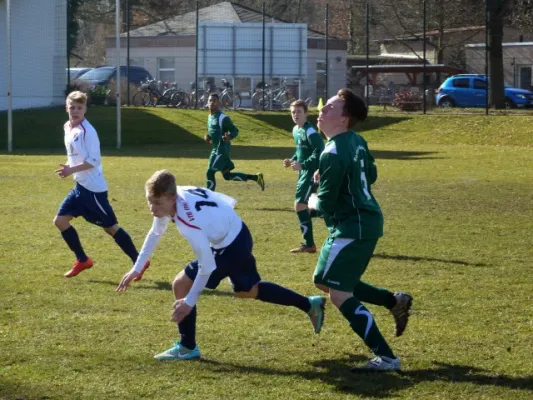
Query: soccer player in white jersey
(223, 246)
(89, 197)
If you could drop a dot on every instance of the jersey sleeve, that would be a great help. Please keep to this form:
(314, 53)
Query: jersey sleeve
(331, 175)
(318, 147)
(92, 145)
(227, 126)
(159, 226)
(372, 172)
(206, 263)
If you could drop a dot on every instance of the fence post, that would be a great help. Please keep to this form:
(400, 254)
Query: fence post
(327, 50)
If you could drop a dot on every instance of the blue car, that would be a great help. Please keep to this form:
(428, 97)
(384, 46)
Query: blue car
(471, 91)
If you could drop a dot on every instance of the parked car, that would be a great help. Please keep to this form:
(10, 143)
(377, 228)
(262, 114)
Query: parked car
(76, 72)
(471, 91)
(101, 76)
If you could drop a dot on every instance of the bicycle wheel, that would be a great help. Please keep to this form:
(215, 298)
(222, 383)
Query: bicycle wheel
(141, 99)
(236, 100)
(181, 99)
(287, 99)
(200, 97)
(258, 100)
(167, 97)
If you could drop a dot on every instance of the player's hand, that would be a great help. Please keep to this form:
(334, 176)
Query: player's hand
(287, 163)
(181, 310)
(316, 177)
(123, 285)
(296, 166)
(226, 138)
(64, 171)
(207, 138)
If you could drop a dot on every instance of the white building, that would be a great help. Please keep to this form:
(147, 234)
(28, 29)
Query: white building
(39, 53)
(167, 50)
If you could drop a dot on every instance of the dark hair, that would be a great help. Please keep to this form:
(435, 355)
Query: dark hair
(214, 95)
(299, 103)
(354, 107)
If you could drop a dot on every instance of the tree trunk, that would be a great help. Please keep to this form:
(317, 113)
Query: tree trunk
(496, 9)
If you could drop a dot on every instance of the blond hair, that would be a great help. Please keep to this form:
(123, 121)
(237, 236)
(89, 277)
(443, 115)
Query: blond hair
(77, 97)
(161, 183)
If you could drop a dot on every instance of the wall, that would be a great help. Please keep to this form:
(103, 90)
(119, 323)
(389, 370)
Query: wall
(38, 35)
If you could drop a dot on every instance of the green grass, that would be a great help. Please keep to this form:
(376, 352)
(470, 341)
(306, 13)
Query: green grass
(456, 193)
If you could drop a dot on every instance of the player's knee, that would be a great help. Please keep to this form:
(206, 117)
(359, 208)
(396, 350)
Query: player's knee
(338, 298)
(226, 176)
(299, 206)
(251, 294)
(111, 230)
(181, 285)
(61, 223)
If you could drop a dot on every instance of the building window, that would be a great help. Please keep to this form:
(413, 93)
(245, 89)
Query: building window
(166, 70)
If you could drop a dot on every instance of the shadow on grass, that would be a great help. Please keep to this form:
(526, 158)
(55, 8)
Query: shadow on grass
(284, 121)
(337, 373)
(417, 259)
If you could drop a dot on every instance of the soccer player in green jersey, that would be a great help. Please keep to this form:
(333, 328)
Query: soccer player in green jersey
(220, 132)
(355, 222)
(309, 145)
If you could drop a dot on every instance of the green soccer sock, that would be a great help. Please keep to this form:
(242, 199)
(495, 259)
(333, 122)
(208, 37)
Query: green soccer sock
(211, 181)
(362, 323)
(239, 176)
(306, 226)
(373, 295)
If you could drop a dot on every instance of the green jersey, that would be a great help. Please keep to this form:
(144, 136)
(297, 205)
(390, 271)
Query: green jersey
(347, 170)
(218, 125)
(309, 145)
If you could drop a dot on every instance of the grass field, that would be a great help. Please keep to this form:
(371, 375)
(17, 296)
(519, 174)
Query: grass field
(457, 195)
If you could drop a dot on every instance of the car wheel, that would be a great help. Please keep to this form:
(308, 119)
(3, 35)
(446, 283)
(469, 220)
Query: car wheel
(509, 104)
(446, 103)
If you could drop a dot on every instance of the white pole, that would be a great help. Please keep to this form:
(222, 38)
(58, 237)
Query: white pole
(9, 80)
(117, 38)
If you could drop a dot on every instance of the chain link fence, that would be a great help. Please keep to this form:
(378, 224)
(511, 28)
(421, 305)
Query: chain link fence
(256, 55)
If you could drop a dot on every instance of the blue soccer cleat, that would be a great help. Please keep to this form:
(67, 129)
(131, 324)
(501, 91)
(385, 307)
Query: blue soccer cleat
(317, 312)
(178, 352)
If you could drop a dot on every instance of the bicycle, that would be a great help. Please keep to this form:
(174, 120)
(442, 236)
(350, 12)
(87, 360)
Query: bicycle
(153, 93)
(267, 97)
(228, 98)
(200, 95)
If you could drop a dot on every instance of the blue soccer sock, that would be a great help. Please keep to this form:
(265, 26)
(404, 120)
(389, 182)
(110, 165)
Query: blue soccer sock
(123, 239)
(272, 293)
(187, 330)
(73, 241)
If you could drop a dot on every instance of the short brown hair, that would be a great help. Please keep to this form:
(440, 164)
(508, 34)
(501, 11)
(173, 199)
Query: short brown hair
(161, 183)
(77, 97)
(299, 103)
(354, 107)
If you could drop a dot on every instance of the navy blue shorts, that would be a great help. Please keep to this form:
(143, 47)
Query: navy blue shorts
(94, 207)
(235, 261)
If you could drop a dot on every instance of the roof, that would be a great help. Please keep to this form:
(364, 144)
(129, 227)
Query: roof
(419, 35)
(409, 68)
(225, 12)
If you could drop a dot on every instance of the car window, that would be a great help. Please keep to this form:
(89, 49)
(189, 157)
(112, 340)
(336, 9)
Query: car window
(98, 74)
(480, 84)
(461, 83)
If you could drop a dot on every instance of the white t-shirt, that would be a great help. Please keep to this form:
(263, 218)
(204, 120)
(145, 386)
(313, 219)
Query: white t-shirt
(82, 145)
(207, 220)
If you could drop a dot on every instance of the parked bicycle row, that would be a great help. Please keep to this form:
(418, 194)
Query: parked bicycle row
(153, 93)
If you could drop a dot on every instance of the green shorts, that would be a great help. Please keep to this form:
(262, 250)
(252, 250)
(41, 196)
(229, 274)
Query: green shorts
(342, 261)
(220, 162)
(305, 186)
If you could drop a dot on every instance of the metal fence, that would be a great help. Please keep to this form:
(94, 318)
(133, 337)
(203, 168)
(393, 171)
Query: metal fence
(256, 55)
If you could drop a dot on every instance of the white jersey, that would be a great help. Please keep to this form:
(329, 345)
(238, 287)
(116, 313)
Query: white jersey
(83, 145)
(207, 220)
